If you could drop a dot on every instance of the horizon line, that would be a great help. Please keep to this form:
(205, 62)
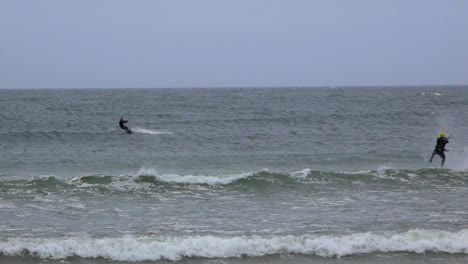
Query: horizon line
(243, 87)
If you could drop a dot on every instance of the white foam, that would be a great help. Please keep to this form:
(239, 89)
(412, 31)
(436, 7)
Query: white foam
(430, 93)
(150, 131)
(357, 172)
(380, 173)
(194, 179)
(301, 174)
(6, 205)
(174, 248)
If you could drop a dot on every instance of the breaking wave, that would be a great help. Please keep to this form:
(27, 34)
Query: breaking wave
(175, 248)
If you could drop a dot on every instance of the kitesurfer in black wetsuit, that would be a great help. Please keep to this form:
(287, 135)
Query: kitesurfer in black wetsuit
(440, 148)
(121, 124)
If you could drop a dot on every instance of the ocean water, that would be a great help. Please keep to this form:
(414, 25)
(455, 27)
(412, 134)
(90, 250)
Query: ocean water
(271, 175)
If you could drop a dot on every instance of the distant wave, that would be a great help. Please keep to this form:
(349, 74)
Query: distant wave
(150, 131)
(175, 248)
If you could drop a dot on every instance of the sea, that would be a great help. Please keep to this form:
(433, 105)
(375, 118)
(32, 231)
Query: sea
(233, 175)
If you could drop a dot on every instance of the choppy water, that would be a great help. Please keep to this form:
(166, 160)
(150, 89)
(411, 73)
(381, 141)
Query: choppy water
(233, 175)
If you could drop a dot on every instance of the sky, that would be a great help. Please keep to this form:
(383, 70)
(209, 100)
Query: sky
(235, 43)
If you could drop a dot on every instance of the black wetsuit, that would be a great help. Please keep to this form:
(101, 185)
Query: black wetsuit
(121, 124)
(440, 148)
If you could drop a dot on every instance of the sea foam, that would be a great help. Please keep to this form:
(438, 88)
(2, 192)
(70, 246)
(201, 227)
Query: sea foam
(174, 248)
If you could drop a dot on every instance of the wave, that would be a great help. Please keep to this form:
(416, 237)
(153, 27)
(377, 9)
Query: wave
(147, 177)
(264, 176)
(175, 248)
(312, 176)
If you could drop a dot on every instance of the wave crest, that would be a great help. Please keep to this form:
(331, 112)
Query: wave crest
(192, 179)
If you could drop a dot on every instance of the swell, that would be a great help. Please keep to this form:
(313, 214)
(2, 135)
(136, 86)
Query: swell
(149, 248)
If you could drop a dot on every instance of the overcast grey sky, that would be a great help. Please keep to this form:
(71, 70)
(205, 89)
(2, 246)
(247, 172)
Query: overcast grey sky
(235, 43)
